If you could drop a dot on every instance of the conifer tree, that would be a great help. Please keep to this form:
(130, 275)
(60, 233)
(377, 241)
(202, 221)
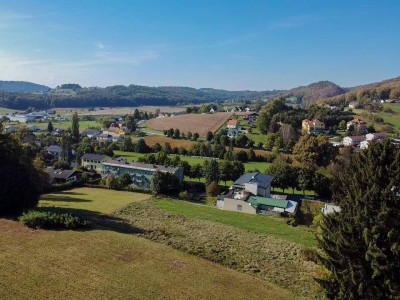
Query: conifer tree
(361, 244)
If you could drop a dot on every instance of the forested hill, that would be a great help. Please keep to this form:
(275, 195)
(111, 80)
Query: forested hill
(120, 96)
(383, 90)
(317, 90)
(22, 87)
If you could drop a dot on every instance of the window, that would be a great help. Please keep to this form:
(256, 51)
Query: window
(239, 207)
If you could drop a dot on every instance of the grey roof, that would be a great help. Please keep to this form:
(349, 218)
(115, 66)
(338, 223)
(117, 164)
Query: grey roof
(59, 173)
(92, 156)
(261, 179)
(91, 131)
(54, 148)
(141, 166)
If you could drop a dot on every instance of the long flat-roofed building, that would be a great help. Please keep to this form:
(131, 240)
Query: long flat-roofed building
(141, 173)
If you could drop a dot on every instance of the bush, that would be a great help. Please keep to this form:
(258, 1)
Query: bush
(213, 189)
(309, 254)
(185, 195)
(52, 220)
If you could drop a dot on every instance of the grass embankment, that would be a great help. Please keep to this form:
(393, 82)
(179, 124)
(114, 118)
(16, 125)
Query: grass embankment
(103, 263)
(263, 255)
(100, 264)
(270, 225)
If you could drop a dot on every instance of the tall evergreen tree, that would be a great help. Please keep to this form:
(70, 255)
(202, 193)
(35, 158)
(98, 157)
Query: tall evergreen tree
(211, 171)
(75, 128)
(50, 127)
(361, 244)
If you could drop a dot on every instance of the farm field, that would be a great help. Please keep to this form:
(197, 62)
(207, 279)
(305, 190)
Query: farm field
(105, 264)
(4, 110)
(64, 125)
(270, 225)
(152, 140)
(200, 123)
(118, 110)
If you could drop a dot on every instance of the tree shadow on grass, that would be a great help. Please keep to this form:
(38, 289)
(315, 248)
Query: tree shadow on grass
(70, 193)
(62, 198)
(99, 221)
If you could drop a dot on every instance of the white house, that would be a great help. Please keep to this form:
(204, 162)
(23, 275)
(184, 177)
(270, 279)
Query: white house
(375, 136)
(329, 209)
(353, 140)
(212, 110)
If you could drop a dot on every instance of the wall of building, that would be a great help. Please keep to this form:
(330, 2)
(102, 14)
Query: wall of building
(251, 187)
(238, 205)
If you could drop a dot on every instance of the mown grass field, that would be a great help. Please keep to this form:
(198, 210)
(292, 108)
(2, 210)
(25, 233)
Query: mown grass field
(270, 225)
(104, 263)
(4, 110)
(89, 199)
(249, 166)
(62, 124)
(112, 111)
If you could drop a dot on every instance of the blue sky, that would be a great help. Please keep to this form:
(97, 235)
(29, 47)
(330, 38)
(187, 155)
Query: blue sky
(229, 44)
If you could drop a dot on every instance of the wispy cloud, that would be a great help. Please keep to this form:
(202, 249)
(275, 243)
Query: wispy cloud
(293, 22)
(9, 19)
(99, 45)
(55, 71)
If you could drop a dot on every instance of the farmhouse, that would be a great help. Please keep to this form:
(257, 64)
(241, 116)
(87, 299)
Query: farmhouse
(21, 118)
(141, 173)
(251, 194)
(233, 124)
(313, 126)
(57, 176)
(93, 161)
(358, 124)
(353, 140)
(375, 136)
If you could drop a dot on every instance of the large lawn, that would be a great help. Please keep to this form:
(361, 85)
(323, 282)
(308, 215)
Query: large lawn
(106, 263)
(4, 110)
(270, 225)
(249, 166)
(103, 264)
(90, 199)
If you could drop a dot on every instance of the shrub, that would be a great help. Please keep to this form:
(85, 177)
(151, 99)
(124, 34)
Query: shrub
(52, 220)
(387, 110)
(309, 254)
(185, 195)
(213, 189)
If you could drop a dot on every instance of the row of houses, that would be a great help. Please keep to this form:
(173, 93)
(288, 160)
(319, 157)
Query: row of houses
(362, 141)
(317, 127)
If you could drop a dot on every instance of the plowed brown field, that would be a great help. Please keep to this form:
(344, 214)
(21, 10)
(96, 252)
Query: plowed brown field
(191, 122)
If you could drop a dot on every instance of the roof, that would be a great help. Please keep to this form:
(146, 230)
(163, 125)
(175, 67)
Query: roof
(356, 121)
(357, 138)
(54, 148)
(91, 131)
(59, 173)
(261, 179)
(141, 166)
(232, 123)
(92, 156)
(257, 200)
(312, 122)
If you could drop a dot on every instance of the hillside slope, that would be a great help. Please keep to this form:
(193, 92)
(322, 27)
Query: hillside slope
(22, 87)
(316, 90)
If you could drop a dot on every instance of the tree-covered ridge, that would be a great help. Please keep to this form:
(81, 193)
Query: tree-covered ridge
(384, 90)
(22, 87)
(132, 95)
(316, 90)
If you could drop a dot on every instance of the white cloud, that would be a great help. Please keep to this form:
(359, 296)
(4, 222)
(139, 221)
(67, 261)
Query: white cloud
(91, 71)
(99, 45)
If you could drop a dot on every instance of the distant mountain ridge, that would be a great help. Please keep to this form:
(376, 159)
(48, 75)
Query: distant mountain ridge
(20, 95)
(22, 87)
